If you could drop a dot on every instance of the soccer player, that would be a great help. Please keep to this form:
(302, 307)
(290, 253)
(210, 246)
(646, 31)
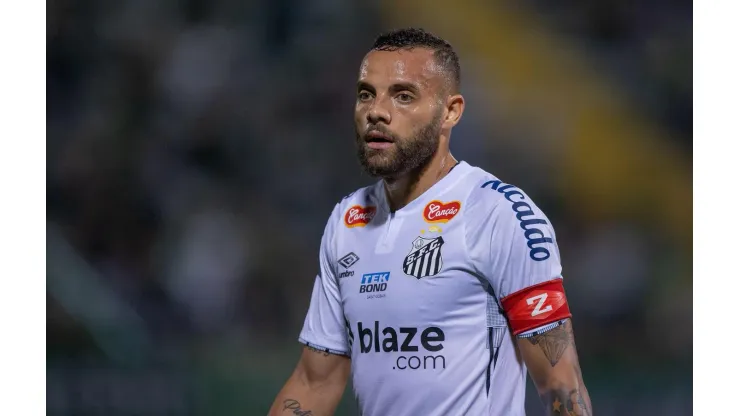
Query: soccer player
(440, 285)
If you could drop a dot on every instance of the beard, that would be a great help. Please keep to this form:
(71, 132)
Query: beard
(405, 155)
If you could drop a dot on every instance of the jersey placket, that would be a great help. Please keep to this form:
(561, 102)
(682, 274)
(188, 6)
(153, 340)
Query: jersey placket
(392, 227)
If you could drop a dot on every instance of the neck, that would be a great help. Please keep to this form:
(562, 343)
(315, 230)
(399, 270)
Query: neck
(405, 188)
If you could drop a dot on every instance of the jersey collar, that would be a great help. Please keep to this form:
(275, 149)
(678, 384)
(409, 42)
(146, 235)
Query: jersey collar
(453, 176)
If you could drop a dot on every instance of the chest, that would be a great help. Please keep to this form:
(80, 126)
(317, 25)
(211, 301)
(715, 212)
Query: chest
(406, 269)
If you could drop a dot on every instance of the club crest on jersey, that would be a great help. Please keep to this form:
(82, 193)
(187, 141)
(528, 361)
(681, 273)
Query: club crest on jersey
(438, 211)
(359, 216)
(425, 258)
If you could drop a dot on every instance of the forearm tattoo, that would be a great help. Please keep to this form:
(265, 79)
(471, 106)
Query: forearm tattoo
(294, 407)
(567, 401)
(555, 341)
(564, 402)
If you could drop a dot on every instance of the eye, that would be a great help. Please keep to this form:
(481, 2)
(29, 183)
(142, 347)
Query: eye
(405, 97)
(364, 95)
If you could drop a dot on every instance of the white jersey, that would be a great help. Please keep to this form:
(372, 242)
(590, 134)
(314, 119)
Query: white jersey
(414, 296)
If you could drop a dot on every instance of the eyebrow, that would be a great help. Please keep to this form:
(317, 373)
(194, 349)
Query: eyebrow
(399, 86)
(362, 85)
(405, 86)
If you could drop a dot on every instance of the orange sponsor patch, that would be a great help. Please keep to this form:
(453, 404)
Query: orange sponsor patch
(359, 216)
(438, 211)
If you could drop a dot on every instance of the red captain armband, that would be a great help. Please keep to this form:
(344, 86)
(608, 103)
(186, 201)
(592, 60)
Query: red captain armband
(535, 306)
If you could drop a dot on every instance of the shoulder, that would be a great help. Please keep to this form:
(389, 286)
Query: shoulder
(354, 210)
(490, 194)
(507, 214)
(358, 208)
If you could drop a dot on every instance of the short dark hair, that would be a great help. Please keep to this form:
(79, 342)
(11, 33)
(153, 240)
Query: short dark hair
(410, 38)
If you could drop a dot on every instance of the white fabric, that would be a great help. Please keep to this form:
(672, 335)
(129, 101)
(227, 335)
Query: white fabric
(423, 342)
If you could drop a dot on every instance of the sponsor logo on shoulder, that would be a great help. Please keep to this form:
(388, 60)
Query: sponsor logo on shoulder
(536, 239)
(441, 212)
(348, 261)
(359, 216)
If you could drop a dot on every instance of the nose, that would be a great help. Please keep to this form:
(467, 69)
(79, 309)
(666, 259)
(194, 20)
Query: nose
(378, 112)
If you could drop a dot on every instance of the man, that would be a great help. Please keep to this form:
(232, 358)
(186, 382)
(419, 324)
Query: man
(440, 285)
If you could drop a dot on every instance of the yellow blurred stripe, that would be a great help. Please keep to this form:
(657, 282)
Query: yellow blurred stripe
(615, 163)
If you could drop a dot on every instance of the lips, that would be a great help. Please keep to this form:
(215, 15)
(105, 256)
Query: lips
(378, 140)
(377, 136)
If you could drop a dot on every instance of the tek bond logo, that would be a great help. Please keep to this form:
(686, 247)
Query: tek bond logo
(374, 284)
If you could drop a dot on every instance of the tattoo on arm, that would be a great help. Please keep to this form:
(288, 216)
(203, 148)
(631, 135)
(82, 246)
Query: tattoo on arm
(317, 351)
(295, 408)
(555, 341)
(568, 400)
(564, 402)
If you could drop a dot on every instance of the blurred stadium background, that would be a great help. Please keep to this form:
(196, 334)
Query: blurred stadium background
(197, 147)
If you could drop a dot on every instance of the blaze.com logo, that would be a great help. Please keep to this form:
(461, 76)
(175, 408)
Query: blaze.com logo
(419, 348)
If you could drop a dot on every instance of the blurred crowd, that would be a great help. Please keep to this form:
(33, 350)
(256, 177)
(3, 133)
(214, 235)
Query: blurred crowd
(196, 149)
(179, 142)
(646, 46)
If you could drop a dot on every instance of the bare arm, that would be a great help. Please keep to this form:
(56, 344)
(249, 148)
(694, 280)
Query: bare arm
(552, 361)
(315, 387)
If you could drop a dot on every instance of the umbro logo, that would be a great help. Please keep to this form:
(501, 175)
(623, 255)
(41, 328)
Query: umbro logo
(348, 261)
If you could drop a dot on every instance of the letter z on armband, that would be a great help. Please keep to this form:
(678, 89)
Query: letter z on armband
(535, 306)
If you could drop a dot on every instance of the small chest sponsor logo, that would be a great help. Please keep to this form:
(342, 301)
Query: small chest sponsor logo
(348, 261)
(359, 216)
(425, 258)
(441, 212)
(374, 282)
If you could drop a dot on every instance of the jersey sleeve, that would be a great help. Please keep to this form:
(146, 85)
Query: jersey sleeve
(324, 327)
(513, 247)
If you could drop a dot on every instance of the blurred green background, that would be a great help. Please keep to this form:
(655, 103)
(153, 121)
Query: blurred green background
(196, 149)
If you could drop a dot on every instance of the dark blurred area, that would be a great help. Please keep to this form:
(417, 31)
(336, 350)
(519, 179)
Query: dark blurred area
(196, 149)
